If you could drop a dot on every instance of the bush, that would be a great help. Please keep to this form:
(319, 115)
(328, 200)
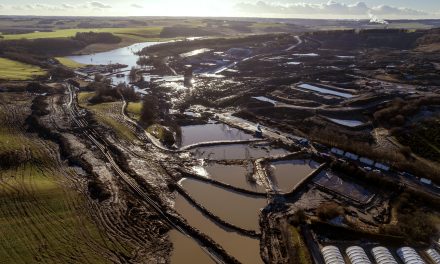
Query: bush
(329, 211)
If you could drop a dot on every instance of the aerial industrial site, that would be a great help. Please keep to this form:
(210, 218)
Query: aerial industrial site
(219, 140)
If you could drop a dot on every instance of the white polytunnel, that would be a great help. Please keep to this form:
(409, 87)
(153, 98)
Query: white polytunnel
(409, 256)
(357, 255)
(332, 255)
(434, 255)
(383, 256)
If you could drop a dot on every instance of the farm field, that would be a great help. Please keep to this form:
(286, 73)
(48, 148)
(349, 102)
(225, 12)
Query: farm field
(65, 33)
(41, 211)
(17, 71)
(69, 63)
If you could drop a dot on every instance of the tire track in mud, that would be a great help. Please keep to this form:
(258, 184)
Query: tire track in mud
(215, 252)
(21, 190)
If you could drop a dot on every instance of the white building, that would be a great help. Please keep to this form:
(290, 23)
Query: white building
(367, 161)
(382, 166)
(337, 151)
(351, 156)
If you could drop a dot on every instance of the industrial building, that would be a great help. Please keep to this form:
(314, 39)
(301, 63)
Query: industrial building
(332, 255)
(409, 256)
(383, 256)
(357, 255)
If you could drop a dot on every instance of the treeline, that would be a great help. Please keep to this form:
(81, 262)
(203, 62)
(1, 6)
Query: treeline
(93, 37)
(54, 46)
(180, 31)
(371, 38)
(415, 222)
(105, 93)
(396, 113)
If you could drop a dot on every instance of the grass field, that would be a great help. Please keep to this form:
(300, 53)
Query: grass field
(108, 114)
(43, 218)
(17, 71)
(69, 63)
(134, 110)
(65, 33)
(301, 253)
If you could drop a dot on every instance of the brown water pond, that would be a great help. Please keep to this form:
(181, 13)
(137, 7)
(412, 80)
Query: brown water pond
(239, 176)
(237, 209)
(211, 132)
(186, 250)
(287, 174)
(236, 152)
(245, 249)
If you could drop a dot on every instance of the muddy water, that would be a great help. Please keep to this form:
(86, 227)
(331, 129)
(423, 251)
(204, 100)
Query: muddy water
(287, 174)
(186, 250)
(245, 249)
(240, 210)
(240, 151)
(211, 132)
(236, 175)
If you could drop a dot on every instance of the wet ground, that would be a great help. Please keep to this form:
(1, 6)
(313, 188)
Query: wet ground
(335, 183)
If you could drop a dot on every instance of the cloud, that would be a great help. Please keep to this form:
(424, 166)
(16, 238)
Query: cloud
(136, 6)
(68, 6)
(331, 8)
(96, 4)
(37, 7)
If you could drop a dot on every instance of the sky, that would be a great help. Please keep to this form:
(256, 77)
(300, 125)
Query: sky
(335, 9)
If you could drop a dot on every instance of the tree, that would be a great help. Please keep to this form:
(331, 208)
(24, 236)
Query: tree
(133, 75)
(150, 110)
(143, 61)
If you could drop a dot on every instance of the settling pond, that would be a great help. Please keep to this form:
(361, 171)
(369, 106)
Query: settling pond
(237, 152)
(245, 249)
(211, 132)
(287, 174)
(239, 176)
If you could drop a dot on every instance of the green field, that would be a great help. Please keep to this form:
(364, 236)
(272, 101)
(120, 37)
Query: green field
(69, 63)
(17, 71)
(301, 254)
(134, 110)
(108, 114)
(65, 33)
(43, 218)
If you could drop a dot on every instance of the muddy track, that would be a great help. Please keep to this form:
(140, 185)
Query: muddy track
(215, 251)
